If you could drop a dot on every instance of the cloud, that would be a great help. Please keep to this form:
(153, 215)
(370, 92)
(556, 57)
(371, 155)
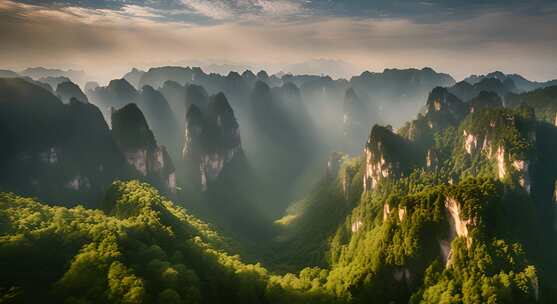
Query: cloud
(279, 8)
(241, 10)
(110, 41)
(219, 10)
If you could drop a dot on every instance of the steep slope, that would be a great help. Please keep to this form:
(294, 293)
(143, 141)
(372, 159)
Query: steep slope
(161, 119)
(544, 102)
(133, 77)
(305, 229)
(212, 142)
(116, 94)
(68, 90)
(460, 204)
(387, 155)
(137, 142)
(217, 173)
(52, 150)
(141, 248)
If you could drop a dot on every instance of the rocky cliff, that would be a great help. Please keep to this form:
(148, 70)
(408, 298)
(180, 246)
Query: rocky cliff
(212, 141)
(387, 155)
(139, 147)
(458, 227)
(443, 108)
(116, 94)
(68, 90)
(53, 150)
(161, 119)
(504, 138)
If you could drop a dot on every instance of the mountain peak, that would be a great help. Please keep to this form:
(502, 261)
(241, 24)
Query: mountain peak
(69, 90)
(131, 129)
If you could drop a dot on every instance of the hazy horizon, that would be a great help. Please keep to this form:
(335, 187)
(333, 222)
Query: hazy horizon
(107, 38)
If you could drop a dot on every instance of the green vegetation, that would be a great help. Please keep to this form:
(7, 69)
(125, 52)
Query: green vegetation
(305, 232)
(141, 249)
(544, 102)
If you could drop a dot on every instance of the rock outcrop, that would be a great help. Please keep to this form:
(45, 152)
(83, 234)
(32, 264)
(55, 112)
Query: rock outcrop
(212, 141)
(443, 108)
(68, 90)
(400, 212)
(496, 135)
(117, 94)
(161, 119)
(52, 150)
(387, 155)
(457, 228)
(137, 142)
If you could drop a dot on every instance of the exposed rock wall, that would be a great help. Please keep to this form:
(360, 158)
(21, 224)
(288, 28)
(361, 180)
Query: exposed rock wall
(457, 228)
(387, 155)
(505, 163)
(401, 212)
(211, 141)
(59, 152)
(137, 142)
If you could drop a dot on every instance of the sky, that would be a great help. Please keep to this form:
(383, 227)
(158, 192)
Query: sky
(108, 37)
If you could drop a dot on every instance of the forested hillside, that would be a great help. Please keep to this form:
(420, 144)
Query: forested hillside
(140, 248)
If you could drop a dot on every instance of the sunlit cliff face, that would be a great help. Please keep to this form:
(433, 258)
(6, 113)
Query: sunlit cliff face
(106, 38)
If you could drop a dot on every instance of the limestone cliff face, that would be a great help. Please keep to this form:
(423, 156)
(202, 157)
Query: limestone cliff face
(212, 140)
(443, 108)
(431, 159)
(387, 155)
(377, 168)
(491, 140)
(457, 228)
(140, 149)
(55, 151)
(400, 212)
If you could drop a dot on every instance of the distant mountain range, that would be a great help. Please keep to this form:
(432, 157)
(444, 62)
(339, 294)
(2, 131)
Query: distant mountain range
(521, 83)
